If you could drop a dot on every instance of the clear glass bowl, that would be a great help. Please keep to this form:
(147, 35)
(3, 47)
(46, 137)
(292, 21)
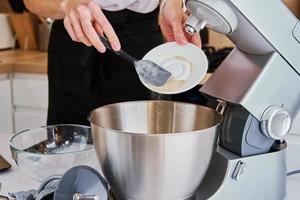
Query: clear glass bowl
(52, 150)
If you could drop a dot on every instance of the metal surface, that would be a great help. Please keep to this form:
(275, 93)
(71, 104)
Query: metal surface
(256, 82)
(264, 69)
(278, 34)
(154, 150)
(194, 25)
(217, 15)
(148, 71)
(254, 33)
(226, 19)
(264, 177)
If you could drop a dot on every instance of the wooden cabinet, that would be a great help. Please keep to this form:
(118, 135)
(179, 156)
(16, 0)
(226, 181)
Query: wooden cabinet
(6, 122)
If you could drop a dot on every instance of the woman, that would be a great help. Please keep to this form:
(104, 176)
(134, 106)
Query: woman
(82, 74)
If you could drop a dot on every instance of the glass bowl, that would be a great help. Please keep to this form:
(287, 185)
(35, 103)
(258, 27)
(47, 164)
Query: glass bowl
(52, 150)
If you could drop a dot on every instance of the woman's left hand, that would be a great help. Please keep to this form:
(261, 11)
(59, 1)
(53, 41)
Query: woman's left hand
(171, 20)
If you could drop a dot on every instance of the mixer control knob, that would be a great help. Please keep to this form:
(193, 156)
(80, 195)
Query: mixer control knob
(276, 122)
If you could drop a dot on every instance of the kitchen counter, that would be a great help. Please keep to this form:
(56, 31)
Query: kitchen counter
(23, 61)
(16, 180)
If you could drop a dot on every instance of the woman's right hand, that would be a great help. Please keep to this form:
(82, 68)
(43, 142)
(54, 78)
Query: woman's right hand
(84, 21)
(171, 20)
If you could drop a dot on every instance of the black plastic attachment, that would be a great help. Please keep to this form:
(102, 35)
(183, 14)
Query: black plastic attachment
(241, 133)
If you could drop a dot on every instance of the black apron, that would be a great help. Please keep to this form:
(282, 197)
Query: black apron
(81, 79)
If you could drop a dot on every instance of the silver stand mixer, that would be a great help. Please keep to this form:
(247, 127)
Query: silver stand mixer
(258, 87)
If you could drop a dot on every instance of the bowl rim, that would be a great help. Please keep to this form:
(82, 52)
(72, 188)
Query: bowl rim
(138, 134)
(43, 127)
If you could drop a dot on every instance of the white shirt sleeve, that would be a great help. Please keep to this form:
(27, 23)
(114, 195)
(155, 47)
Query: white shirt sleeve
(140, 6)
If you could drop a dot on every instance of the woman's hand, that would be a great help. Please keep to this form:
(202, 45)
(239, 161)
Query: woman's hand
(171, 21)
(84, 21)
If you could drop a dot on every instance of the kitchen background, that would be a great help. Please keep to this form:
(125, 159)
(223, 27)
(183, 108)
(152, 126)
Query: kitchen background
(23, 69)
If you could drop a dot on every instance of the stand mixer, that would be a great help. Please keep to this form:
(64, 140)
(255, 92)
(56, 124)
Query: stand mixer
(258, 87)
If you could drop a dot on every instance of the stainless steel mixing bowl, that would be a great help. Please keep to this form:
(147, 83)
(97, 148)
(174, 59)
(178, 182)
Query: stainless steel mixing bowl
(154, 150)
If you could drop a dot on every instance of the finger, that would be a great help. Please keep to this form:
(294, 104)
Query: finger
(169, 37)
(105, 25)
(185, 17)
(98, 28)
(70, 29)
(178, 32)
(167, 31)
(88, 29)
(196, 40)
(78, 29)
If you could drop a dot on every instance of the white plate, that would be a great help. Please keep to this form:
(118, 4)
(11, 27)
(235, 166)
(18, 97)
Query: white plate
(188, 65)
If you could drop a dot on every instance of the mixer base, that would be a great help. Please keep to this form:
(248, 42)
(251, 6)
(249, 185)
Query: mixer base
(232, 177)
(112, 196)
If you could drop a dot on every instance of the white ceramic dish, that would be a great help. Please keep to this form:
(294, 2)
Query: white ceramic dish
(188, 65)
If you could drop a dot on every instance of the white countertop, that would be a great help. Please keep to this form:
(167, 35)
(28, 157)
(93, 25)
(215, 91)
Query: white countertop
(15, 180)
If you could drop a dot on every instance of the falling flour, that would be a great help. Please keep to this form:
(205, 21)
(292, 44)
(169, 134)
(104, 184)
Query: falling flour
(157, 96)
(171, 85)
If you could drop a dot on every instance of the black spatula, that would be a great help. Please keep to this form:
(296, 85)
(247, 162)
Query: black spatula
(147, 70)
